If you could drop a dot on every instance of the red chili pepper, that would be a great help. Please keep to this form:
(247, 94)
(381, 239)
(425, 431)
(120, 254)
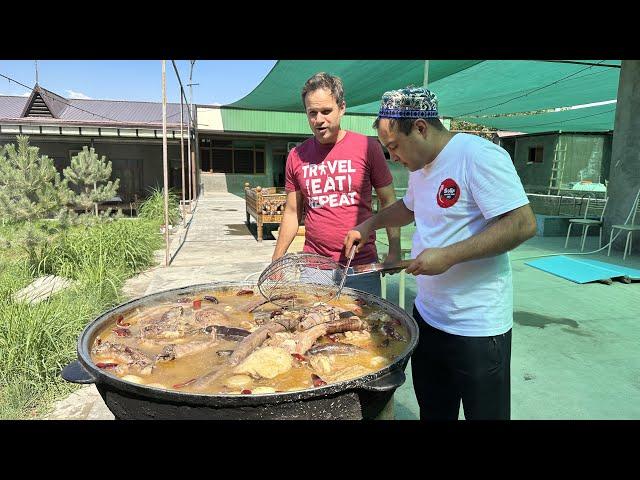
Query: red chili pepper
(299, 357)
(245, 292)
(317, 381)
(106, 365)
(180, 385)
(120, 322)
(245, 392)
(122, 332)
(197, 304)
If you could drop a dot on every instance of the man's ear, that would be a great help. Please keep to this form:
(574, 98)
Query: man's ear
(422, 127)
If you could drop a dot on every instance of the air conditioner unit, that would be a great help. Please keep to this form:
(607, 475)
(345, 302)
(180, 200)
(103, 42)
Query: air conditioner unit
(292, 145)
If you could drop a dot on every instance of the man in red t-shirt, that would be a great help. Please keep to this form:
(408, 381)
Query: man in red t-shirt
(330, 177)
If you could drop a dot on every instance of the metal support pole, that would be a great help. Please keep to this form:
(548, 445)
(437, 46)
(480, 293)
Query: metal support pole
(182, 157)
(193, 174)
(425, 78)
(189, 159)
(192, 186)
(164, 163)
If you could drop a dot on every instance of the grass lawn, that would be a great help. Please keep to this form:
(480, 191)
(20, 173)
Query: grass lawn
(37, 341)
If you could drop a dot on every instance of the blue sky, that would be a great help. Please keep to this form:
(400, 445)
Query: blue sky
(220, 81)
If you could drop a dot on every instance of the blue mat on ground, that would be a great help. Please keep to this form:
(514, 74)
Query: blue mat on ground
(632, 273)
(582, 270)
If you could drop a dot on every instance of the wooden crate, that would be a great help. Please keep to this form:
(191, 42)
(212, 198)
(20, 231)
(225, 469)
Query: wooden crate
(266, 205)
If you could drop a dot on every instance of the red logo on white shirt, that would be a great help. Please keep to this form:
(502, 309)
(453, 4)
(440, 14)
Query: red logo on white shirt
(448, 193)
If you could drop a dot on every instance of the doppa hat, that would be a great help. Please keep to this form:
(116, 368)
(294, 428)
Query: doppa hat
(410, 102)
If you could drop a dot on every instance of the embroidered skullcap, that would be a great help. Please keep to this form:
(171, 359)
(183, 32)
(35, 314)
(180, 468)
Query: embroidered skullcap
(410, 102)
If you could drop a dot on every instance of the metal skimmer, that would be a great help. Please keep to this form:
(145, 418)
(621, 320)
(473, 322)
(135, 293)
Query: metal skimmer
(305, 273)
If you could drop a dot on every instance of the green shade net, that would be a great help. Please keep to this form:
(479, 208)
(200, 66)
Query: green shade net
(591, 119)
(364, 80)
(467, 89)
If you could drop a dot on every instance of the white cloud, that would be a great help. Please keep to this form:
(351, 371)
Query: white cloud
(78, 95)
(216, 104)
(23, 94)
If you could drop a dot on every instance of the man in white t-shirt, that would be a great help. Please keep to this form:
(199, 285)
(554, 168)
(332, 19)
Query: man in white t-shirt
(469, 208)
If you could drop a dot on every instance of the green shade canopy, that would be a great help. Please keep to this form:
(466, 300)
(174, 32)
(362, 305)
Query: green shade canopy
(591, 119)
(364, 80)
(470, 90)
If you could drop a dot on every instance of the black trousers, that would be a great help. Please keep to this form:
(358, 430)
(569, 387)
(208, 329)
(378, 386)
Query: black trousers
(450, 368)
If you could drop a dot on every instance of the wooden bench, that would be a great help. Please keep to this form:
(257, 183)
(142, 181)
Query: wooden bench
(266, 205)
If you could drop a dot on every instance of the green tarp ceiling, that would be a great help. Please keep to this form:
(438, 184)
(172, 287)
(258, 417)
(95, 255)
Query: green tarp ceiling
(471, 90)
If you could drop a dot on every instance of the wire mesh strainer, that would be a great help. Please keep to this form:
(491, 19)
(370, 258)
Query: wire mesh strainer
(305, 273)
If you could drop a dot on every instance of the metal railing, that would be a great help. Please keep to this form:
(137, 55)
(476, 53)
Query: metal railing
(569, 203)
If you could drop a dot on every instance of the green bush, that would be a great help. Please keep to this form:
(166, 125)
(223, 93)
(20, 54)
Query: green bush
(38, 340)
(122, 247)
(153, 207)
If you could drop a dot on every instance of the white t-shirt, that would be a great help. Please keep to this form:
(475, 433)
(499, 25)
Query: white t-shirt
(453, 198)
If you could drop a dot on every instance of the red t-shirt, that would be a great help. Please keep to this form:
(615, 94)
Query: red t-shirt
(335, 181)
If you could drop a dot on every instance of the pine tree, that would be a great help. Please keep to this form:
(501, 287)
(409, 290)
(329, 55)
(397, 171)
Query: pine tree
(30, 187)
(87, 171)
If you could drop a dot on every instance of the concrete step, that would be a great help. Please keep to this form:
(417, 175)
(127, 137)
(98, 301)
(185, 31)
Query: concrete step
(214, 182)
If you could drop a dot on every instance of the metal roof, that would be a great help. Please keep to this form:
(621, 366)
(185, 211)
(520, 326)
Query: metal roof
(93, 112)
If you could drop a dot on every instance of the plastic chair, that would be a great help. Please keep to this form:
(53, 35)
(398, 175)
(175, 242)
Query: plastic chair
(627, 227)
(593, 208)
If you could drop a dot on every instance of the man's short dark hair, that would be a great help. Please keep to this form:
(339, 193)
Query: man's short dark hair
(405, 125)
(324, 80)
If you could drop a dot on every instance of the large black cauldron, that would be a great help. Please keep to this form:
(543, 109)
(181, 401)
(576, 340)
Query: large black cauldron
(359, 398)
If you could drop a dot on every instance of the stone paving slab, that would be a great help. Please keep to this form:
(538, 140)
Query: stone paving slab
(42, 288)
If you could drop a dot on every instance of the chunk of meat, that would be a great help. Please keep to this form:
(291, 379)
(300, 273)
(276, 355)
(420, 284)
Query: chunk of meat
(357, 337)
(237, 381)
(306, 339)
(266, 362)
(176, 351)
(128, 359)
(277, 338)
(318, 315)
(336, 348)
(174, 323)
(378, 361)
(210, 316)
(321, 364)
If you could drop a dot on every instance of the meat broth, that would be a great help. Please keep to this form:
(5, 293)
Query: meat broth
(229, 343)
